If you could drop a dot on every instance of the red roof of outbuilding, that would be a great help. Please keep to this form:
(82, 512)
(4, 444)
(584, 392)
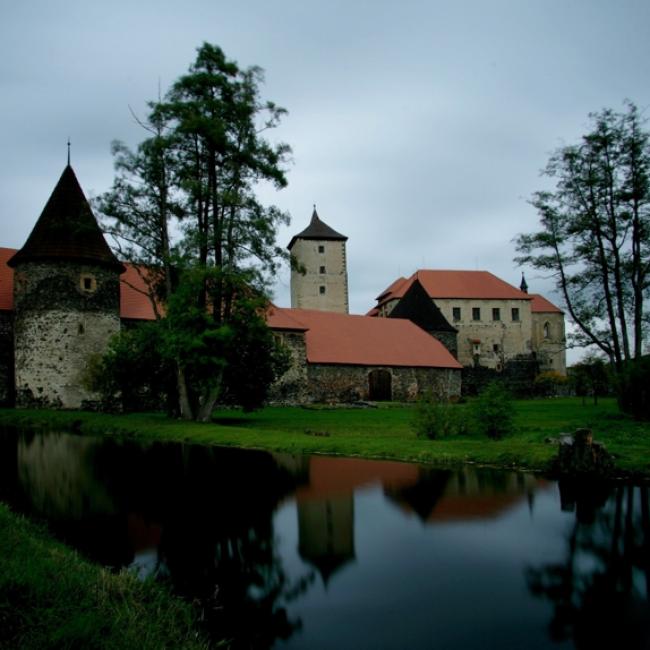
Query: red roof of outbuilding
(334, 338)
(540, 304)
(456, 284)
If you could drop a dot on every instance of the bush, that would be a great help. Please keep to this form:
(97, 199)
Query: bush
(493, 412)
(438, 419)
(633, 389)
(550, 383)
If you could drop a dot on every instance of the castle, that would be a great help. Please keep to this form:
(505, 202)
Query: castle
(64, 295)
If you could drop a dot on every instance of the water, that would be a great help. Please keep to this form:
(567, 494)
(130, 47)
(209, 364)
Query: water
(291, 552)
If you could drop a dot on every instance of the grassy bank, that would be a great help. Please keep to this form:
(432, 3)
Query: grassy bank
(51, 598)
(384, 432)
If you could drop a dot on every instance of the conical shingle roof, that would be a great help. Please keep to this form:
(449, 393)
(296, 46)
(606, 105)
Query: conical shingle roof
(67, 230)
(317, 229)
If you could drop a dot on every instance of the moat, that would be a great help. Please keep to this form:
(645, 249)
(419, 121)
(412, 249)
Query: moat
(285, 551)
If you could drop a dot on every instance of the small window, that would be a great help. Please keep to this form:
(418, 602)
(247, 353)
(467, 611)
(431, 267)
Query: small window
(322, 270)
(496, 348)
(496, 313)
(456, 313)
(476, 348)
(515, 314)
(80, 328)
(547, 330)
(87, 283)
(476, 313)
(321, 249)
(321, 290)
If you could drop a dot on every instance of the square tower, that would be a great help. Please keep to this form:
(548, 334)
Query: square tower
(319, 275)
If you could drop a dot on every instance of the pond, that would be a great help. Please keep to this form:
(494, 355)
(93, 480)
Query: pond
(291, 552)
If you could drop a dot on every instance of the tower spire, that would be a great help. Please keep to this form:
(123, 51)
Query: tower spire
(68, 151)
(523, 286)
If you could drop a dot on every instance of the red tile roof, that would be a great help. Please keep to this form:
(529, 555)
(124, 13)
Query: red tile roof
(278, 318)
(134, 303)
(334, 338)
(6, 279)
(456, 284)
(540, 304)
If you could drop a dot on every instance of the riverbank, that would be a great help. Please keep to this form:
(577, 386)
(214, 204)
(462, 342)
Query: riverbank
(384, 432)
(51, 598)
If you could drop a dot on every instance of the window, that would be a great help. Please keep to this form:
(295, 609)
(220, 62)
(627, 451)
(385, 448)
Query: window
(496, 313)
(547, 330)
(496, 348)
(456, 313)
(321, 249)
(87, 283)
(322, 269)
(476, 348)
(321, 290)
(515, 314)
(476, 313)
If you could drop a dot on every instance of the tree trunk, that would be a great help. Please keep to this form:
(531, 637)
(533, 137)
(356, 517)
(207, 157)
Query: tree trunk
(184, 403)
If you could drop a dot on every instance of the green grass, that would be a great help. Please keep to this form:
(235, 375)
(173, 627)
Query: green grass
(51, 598)
(385, 432)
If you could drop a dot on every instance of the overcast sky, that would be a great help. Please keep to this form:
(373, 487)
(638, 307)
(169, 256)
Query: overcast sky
(418, 128)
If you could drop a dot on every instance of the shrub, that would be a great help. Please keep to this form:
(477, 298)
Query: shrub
(550, 383)
(493, 412)
(438, 419)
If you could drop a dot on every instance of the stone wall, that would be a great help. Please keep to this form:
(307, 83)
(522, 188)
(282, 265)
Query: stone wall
(339, 383)
(549, 341)
(291, 388)
(517, 375)
(6, 358)
(65, 314)
(306, 288)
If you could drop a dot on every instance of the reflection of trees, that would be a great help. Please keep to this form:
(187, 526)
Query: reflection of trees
(211, 510)
(601, 591)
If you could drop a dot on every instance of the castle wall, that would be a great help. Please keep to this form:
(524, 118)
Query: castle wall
(65, 315)
(324, 285)
(6, 358)
(292, 388)
(341, 383)
(549, 341)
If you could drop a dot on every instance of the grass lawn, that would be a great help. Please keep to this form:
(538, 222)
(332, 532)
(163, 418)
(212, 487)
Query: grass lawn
(51, 598)
(383, 432)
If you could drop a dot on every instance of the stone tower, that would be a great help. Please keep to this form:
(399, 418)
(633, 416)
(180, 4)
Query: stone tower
(66, 300)
(320, 252)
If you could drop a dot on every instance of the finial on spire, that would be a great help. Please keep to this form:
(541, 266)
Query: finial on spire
(68, 151)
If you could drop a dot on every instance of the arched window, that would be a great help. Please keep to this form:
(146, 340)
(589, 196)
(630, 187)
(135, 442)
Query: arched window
(547, 330)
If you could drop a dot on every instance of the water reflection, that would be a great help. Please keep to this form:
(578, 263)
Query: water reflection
(600, 590)
(290, 551)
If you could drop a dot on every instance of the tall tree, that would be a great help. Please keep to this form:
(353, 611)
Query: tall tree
(594, 236)
(207, 155)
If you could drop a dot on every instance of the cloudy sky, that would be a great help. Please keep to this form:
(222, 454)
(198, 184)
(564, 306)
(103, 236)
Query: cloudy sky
(418, 128)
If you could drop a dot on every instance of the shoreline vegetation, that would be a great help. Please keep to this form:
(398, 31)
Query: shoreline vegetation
(384, 432)
(51, 597)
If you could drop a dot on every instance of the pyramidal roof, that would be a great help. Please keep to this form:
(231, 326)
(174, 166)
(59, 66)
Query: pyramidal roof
(317, 229)
(67, 230)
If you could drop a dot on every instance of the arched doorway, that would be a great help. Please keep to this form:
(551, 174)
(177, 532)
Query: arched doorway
(380, 387)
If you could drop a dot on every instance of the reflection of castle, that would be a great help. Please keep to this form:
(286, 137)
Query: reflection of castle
(325, 505)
